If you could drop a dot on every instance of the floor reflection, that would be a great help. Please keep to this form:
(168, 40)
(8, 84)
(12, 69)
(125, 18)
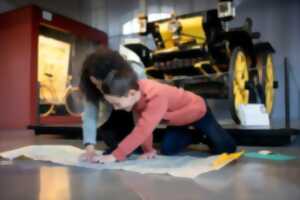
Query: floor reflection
(54, 183)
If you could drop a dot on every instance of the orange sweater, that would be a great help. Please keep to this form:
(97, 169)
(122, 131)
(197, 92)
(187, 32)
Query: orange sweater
(159, 102)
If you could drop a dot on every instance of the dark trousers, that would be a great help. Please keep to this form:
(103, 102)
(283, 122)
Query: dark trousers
(207, 130)
(176, 139)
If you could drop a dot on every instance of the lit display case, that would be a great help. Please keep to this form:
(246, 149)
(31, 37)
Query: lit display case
(40, 66)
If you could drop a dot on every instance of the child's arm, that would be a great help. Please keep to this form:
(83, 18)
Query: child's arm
(148, 120)
(147, 145)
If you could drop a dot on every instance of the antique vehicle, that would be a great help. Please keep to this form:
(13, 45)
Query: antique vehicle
(199, 52)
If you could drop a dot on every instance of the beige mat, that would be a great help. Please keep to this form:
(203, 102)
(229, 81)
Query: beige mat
(178, 166)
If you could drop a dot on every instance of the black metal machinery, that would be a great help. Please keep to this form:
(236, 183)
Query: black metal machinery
(200, 53)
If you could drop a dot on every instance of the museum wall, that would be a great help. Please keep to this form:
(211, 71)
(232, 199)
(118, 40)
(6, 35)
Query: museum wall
(68, 8)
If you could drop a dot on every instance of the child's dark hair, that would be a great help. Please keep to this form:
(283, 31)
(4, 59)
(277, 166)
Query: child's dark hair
(119, 82)
(98, 64)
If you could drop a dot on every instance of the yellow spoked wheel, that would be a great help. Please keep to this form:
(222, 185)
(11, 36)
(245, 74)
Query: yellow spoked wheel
(266, 78)
(46, 107)
(269, 83)
(74, 101)
(238, 78)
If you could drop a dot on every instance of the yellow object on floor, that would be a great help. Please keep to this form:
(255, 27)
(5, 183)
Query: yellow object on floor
(225, 158)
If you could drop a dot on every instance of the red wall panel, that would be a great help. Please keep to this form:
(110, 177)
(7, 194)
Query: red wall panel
(18, 64)
(15, 66)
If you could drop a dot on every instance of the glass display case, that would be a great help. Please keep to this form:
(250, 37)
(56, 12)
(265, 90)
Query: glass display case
(40, 66)
(60, 56)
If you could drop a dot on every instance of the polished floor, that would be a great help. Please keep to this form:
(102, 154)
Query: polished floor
(249, 178)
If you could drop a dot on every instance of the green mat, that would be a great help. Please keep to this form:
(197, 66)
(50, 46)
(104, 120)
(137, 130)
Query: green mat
(272, 156)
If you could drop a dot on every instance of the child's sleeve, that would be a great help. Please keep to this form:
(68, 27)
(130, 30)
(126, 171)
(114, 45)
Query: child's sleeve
(147, 145)
(148, 119)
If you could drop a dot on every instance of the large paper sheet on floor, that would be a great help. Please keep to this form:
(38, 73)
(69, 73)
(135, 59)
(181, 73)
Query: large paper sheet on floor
(179, 166)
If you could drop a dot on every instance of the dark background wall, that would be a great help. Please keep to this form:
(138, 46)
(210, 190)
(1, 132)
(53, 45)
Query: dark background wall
(276, 20)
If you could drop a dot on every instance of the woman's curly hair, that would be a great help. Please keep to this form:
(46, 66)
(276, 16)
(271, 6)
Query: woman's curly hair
(98, 64)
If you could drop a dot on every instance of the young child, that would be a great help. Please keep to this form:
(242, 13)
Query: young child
(153, 103)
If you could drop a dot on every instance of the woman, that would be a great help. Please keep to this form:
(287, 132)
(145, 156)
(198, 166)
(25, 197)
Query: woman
(96, 112)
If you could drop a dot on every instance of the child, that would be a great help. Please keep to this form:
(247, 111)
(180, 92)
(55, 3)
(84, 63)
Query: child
(153, 103)
(100, 119)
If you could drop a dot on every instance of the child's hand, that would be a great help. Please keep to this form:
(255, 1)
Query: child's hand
(148, 155)
(88, 155)
(104, 159)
